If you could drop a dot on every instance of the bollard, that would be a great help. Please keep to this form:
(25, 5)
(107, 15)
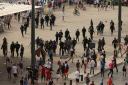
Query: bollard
(70, 82)
(81, 77)
(64, 83)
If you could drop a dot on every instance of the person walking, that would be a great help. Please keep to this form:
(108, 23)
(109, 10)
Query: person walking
(115, 63)
(21, 52)
(42, 22)
(15, 72)
(67, 33)
(83, 31)
(77, 34)
(25, 27)
(57, 37)
(102, 67)
(72, 52)
(53, 18)
(37, 21)
(4, 46)
(17, 46)
(91, 31)
(87, 79)
(78, 65)
(85, 42)
(22, 30)
(60, 35)
(47, 19)
(77, 75)
(110, 69)
(12, 48)
(112, 27)
(92, 66)
(66, 69)
(124, 70)
(9, 68)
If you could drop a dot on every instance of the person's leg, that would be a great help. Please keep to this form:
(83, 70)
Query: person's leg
(109, 72)
(90, 70)
(101, 72)
(13, 53)
(93, 70)
(116, 69)
(125, 73)
(41, 26)
(17, 53)
(22, 34)
(112, 72)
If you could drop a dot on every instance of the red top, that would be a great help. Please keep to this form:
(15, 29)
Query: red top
(109, 81)
(43, 71)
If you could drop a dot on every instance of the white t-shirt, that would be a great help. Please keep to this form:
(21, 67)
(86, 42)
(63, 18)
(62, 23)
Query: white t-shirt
(48, 64)
(14, 69)
(92, 63)
(77, 74)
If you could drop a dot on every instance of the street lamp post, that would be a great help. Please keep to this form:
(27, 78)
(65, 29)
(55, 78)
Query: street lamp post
(119, 20)
(33, 41)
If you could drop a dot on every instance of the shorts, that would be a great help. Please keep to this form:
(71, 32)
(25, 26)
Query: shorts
(77, 80)
(15, 75)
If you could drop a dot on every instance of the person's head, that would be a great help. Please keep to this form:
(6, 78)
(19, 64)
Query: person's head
(12, 42)
(77, 60)
(65, 61)
(21, 45)
(92, 82)
(17, 42)
(88, 74)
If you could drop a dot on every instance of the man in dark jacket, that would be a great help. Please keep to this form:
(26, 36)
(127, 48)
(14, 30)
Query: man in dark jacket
(60, 35)
(53, 17)
(17, 46)
(77, 35)
(66, 34)
(12, 48)
(83, 32)
(22, 30)
(57, 37)
(47, 19)
(37, 21)
(21, 52)
(42, 22)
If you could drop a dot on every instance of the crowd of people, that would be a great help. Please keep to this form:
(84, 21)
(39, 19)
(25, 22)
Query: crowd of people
(49, 48)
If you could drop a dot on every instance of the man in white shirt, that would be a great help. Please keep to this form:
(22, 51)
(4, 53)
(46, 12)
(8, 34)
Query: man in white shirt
(92, 66)
(15, 72)
(77, 75)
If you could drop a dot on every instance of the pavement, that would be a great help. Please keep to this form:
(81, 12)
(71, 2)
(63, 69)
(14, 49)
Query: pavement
(72, 23)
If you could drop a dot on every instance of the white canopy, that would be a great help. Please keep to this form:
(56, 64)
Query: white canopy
(6, 8)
